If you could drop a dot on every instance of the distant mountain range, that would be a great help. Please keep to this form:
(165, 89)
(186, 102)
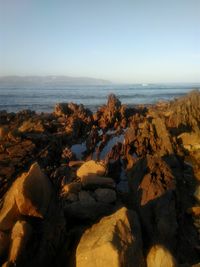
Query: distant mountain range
(48, 81)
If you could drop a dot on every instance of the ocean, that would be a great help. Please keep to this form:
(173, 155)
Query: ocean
(44, 99)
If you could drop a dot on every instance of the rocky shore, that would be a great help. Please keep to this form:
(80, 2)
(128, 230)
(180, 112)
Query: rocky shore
(115, 188)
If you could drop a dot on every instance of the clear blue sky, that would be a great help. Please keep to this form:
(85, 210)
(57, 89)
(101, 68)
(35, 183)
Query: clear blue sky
(119, 40)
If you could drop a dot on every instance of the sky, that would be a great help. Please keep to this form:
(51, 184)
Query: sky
(126, 41)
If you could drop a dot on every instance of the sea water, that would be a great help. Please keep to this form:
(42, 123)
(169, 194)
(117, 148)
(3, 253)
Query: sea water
(44, 99)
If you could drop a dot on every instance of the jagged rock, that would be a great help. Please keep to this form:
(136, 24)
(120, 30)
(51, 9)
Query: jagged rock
(21, 150)
(3, 132)
(91, 168)
(61, 109)
(114, 241)
(159, 256)
(32, 126)
(148, 135)
(113, 102)
(109, 115)
(163, 135)
(150, 178)
(152, 184)
(29, 195)
(105, 195)
(184, 113)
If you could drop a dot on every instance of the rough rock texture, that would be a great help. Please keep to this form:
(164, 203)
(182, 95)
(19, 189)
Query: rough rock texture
(145, 157)
(114, 241)
(152, 184)
(184, 113)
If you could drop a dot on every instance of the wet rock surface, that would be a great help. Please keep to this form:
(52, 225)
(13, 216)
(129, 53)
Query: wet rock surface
(76, 184)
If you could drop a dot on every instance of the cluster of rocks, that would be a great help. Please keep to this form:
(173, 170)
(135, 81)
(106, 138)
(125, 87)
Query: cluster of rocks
(129, 197)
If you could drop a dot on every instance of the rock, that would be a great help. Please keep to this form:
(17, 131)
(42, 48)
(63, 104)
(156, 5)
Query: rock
(184, 113)
(3, 132)
(152, 186)
(96, 181)
(32, 126)
(190, 141)
(195, 211)
(105, 195)
(163, 134)
(85, 198)
(20, 235)
(113, 102)
(159, 256)
(91, 211)
(150, 178)
(33, 192)
(61, 109)
(71, 197)
(71, 188)
(91, 168)
(114, 241)
(4, 242)
(109, 116)
(9, 213)
(21, 150)
(197, 194)
(29, 195)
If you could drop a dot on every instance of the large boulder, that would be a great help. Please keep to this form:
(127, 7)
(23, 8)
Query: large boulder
(115, 242)
(29, 195)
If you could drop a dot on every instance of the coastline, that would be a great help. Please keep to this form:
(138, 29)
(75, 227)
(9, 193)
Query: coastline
(150, 156)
